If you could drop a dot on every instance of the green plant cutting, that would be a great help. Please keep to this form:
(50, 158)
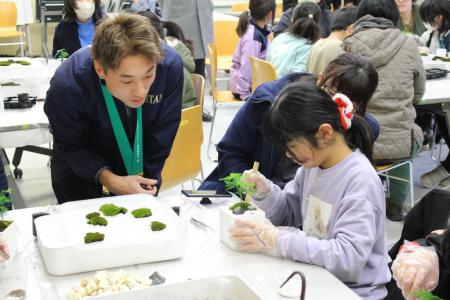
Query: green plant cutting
(236, 183)
(426, 295)
(4, 202)
(61, 54)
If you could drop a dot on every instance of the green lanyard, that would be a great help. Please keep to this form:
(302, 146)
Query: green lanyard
(132, 159)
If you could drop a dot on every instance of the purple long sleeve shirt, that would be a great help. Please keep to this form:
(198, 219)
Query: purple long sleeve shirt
(341, 211)
(253, 43)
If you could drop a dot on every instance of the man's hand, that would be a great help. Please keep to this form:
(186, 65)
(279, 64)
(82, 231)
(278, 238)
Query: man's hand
(124, 185)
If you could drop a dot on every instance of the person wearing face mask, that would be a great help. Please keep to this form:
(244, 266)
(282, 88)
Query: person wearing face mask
(77, 27)
(436, 16)
(114, 110)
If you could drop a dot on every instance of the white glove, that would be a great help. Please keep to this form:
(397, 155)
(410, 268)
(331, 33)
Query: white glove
(254, 237)
(415, 269)
(262, 184)
(4, 249)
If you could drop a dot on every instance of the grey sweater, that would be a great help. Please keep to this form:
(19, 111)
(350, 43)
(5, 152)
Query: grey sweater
(401, 83)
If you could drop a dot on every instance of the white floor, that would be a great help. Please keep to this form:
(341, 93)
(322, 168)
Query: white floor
(35, 186)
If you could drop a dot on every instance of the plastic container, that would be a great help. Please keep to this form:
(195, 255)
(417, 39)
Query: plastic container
(127, 240)
(217, 288)
(227, 219)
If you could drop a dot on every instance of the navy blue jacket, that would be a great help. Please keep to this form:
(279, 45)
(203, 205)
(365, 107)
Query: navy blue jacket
(66, 37)
(244, 143)
(84, 142)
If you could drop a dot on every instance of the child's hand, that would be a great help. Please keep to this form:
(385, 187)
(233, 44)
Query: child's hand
(416, 268)
(4, 249)
(262, 184)
(254, 237)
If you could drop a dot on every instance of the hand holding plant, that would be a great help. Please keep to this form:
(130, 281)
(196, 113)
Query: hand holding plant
(260, 182)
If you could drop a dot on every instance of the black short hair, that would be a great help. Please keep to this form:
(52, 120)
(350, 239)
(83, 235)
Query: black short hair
(430, 9)
(342, 18)
(387, 9)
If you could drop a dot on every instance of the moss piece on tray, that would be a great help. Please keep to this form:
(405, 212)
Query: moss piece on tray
(4, 63)
(142, 212)
(112, 210)
(92, 214)
(157, 226)
(4, 224)
(92, 237)
(22, 62)
(98, 221)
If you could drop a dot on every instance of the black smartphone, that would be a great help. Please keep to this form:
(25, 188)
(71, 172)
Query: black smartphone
(205, 193)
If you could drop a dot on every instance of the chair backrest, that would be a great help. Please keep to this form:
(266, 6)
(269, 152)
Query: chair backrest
(8, 15)
(199, 86)
(212, 52)
(225, 37)
(184, 162)
(262, 71)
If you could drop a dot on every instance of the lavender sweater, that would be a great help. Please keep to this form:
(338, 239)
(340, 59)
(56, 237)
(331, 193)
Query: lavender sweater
(342, 212)
(253, 43)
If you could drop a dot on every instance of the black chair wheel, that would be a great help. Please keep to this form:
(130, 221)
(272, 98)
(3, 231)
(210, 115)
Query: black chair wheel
(18, 173)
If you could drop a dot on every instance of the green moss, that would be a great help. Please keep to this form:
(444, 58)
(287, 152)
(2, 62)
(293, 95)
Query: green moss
(142, 212)
(4, 224)
(244, 205)
(112, 210)
(157, 226)
(98, 221)
(4, 63)
(92, 237)
(22, 62)
(442, 58)
(92, 214)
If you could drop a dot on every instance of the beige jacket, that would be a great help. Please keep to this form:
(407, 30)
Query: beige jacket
(401, 83)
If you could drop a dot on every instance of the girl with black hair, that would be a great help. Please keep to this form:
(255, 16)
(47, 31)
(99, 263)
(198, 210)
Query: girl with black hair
(436, 16)
(77, 27)
(335, 205)
(290, 50)
(253, 31)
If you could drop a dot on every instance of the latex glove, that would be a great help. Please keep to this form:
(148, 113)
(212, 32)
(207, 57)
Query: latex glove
(3, 248)
(416, 268)
(254, 237)
(262, 184)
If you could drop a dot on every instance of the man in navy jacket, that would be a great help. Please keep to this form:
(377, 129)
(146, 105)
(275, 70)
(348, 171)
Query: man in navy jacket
(142, 77)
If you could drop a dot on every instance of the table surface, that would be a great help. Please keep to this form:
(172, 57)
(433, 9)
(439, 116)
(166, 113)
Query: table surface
(205, 256)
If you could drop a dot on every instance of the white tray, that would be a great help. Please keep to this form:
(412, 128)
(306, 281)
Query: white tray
(127, 240)
(217, 288)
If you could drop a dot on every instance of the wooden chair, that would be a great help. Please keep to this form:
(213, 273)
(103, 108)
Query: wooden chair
(226, 40)
(262, 71)
(8, 28)
(239, 7)
(199, 86)
(184, 161)
(219, 97)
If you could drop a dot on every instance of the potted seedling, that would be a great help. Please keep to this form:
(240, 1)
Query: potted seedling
(61, 54)
(242, 209)
(8, 228)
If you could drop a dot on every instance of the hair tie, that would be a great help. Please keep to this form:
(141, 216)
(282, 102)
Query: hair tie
(345, 108)
(310, 16)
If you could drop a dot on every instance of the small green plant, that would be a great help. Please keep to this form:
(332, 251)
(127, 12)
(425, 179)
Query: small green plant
(98, 221)
(234, 182)
(92, 214)
(142, 212)
(426, 295)
(157, 226)
(92, 237)
(5, 201)
(112, 210)
(61, 54)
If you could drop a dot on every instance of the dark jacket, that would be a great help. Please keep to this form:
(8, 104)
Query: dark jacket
(285, 21)
(66, 37)
(243, 142)
(84, 142)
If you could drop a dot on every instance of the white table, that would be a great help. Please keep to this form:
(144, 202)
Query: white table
(25, 129)
(205, 256)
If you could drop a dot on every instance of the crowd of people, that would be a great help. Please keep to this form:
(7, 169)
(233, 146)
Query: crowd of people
(349, 74)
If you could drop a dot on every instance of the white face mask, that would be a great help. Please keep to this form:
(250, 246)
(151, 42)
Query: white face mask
(430, 27)
(85, 10)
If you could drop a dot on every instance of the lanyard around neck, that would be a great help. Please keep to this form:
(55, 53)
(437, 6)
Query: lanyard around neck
(131, 158)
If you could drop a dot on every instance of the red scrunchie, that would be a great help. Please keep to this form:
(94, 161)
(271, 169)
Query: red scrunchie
(345, 107)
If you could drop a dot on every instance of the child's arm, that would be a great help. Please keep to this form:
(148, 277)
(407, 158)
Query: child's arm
(357, 227)
(282, 207)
